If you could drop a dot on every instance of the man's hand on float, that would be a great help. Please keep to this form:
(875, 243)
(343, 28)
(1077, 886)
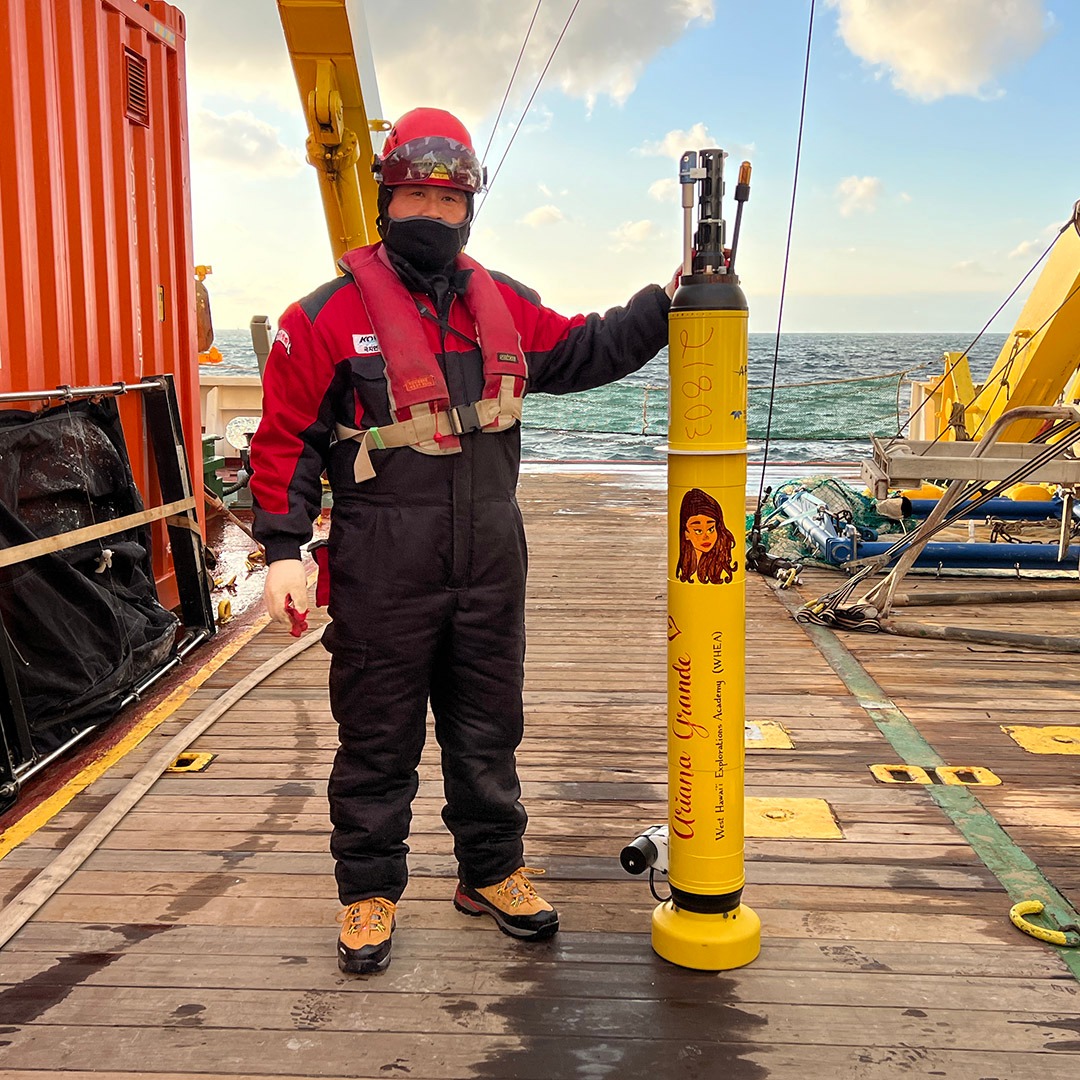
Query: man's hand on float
(285, 578)
(673, 284)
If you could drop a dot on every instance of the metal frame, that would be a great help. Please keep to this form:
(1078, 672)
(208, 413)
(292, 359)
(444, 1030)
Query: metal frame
(982, 452)
(18, 759)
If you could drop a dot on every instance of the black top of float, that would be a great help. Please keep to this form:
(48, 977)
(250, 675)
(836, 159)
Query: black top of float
(709, 292)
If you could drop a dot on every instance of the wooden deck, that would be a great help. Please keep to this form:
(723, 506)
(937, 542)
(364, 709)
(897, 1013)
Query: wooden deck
(199, 938)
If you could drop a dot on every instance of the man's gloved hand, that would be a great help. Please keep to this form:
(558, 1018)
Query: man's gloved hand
(285, 577)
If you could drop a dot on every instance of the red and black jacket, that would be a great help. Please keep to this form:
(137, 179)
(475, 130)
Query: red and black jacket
(325, 369)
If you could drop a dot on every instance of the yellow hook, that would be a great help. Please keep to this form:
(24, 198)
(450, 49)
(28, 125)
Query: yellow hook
(1051, 937)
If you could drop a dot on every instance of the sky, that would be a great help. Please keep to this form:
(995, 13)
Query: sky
(939, 154)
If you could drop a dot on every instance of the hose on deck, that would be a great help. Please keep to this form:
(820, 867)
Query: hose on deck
(22, 907)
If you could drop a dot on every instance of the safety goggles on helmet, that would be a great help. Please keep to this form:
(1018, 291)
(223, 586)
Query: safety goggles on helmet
(432, 160)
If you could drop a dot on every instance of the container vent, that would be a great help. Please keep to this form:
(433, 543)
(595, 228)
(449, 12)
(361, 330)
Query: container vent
(136, 95)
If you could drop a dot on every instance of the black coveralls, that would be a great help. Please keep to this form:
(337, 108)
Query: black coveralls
(427, 565)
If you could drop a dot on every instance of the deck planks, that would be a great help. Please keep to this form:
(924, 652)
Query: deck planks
(200, 935)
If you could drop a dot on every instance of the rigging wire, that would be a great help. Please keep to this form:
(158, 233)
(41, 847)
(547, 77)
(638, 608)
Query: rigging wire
(510, 84)
(528, 105)
(837, 382)
(787, 254)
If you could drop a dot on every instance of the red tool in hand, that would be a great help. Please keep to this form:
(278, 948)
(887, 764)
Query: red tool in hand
(297, 618)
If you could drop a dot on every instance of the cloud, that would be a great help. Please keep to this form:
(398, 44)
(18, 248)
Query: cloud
(237, 50)
(858, 193)
(420, 54)
(543, 215)
(632, 234)
(666, 190)
(972, 268)
(675, 143)
(617, 38)
(1030, 247)
(1025, 247)
(242, 142)
(933, 48)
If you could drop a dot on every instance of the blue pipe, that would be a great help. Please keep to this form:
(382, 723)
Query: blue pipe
(945, 554)
(1007, 509)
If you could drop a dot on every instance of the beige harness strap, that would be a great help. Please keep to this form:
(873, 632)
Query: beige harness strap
(420, 432)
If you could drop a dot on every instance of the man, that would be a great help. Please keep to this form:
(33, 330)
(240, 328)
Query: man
(403, 380)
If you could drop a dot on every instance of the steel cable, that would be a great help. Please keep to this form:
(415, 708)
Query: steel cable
(787, 251)
(509, 85)
(528, 105)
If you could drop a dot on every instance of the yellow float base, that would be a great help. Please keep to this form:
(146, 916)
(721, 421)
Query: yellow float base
(706, 942)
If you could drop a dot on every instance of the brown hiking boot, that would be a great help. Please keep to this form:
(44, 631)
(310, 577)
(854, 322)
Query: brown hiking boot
(364, 942)
(514, 904)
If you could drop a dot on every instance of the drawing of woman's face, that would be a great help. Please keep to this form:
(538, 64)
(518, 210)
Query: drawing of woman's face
(701, 532)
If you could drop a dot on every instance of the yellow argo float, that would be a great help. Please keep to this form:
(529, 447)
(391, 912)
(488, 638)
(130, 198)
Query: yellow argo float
(705, 925)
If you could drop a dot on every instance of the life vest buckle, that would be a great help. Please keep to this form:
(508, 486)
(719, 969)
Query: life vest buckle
(464, 418)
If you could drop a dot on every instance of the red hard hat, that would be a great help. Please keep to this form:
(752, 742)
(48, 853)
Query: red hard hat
(422, 124)
(430, 146)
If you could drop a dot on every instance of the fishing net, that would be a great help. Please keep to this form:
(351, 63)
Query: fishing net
(782, 539)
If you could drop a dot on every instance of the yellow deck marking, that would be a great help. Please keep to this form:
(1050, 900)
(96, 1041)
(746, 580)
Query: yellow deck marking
(791, 819)
(901, 774)
(45, 811)
(967, 775)
(1051, 739)
(191, 762)
(766, 735)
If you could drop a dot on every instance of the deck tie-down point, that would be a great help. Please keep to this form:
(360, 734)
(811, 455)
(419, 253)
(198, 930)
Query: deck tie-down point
(766, 735)
(189, 761)
(901, 774)
(790, 819)
(1065, 935)
(954, 775)
(967, 775)
(1047, 739)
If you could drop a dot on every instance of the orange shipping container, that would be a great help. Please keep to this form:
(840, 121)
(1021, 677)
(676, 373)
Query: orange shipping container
(96, 265)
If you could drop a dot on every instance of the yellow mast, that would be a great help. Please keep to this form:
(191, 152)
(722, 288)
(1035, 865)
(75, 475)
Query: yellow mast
(324, 40)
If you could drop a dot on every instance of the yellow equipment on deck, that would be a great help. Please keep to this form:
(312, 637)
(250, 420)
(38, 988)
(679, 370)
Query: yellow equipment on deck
(705, 925)
(324, 38)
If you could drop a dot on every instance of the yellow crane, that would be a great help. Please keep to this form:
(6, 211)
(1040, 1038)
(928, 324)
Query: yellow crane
(1038, 363)
(324, 39)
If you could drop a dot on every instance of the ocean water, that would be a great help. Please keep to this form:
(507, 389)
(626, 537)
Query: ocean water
(832, 392)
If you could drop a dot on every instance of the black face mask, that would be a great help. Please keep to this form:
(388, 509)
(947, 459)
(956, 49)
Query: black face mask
(426, 243)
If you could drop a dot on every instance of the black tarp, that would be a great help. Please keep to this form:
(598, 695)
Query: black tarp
(84, 624)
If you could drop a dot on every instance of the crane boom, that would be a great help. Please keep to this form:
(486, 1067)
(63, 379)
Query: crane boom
(324, 38)
(1038, 362)
(1043, 351)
